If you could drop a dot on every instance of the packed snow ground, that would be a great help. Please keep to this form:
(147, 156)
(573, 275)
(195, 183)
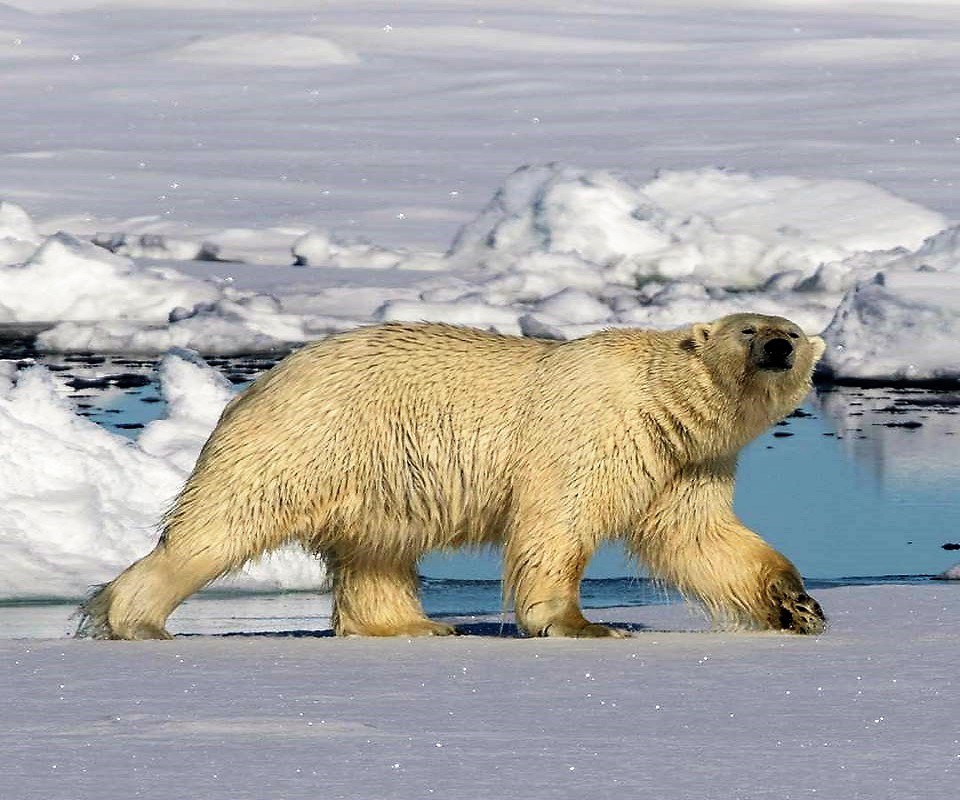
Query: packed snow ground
(865, 712)
(655, 166)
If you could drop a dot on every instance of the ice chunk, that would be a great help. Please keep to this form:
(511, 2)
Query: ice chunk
(18, 238)
(70, 279)
(322, 249)
(897, 325)
(224, 328)
(466, 311)
(939, 252)
(574, 305)
(709, 226)
(157, 246)
(15, 223)
(952, 574)
(195, 396)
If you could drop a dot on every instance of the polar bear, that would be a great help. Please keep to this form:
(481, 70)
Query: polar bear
(372, 447)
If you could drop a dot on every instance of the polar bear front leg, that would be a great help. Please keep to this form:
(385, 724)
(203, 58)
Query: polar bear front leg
(691, 537)
(739, 578)
(543, 569)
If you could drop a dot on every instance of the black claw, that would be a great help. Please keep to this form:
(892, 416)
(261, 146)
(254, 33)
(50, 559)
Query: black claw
(786, 619)
(800, 613)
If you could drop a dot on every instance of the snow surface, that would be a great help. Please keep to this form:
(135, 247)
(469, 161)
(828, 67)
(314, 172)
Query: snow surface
(81, 503)
(864, 712)
(448, 96)
(264, 49)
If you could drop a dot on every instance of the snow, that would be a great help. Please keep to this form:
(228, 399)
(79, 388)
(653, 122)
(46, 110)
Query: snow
(951, 574)
(91, 284)
(556, 171)
(462, 312)
(866, 711)
(265, 49)
(898, 324)
(448, 96)
(81, 503)
(320, 248)
(242, 177)
(226, 327)
(156, 246)
(563, 249)
(18, 237)
(722, 229)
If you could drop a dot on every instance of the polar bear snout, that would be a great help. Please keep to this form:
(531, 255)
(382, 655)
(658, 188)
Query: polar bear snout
(778, 348)
(775, 353)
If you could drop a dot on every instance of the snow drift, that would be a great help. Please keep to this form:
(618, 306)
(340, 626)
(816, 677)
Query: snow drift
(290, 50)
(91, 284)
(898, 325)
(713, 227)
(81, 503)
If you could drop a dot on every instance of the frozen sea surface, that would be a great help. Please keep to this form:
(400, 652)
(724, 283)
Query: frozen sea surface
(184, 118)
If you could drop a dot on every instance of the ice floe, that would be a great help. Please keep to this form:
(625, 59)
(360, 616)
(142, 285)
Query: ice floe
(558, 249)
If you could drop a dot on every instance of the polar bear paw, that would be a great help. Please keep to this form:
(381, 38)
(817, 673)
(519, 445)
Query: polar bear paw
(795, 611)
(589, 630)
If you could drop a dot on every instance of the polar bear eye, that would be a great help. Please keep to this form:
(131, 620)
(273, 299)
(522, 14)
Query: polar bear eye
(794, 335)
(748, 331)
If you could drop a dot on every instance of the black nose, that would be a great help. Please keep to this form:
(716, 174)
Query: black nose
(778, 348)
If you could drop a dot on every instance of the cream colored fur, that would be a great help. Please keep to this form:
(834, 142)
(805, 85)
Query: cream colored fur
(372, 447)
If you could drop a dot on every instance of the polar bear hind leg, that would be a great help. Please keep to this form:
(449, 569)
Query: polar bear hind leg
(379, 596)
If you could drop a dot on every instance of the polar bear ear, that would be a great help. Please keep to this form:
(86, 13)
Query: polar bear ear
(701, 332)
